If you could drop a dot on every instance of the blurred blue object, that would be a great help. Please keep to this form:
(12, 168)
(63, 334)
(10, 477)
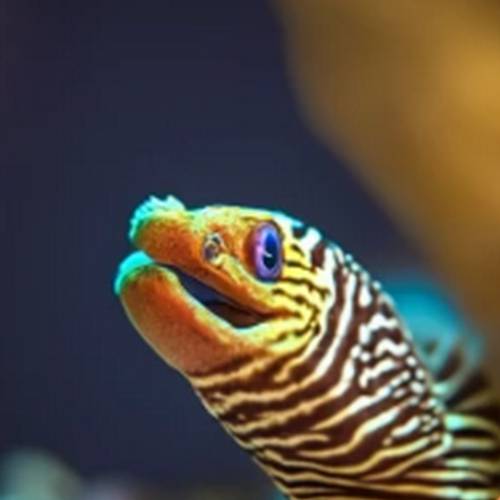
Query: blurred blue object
(37, 475)
(433, 318)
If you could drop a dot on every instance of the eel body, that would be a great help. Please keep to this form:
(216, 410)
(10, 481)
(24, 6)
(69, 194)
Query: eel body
(303, 359)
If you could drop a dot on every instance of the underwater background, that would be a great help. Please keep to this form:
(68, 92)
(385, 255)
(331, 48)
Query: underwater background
(104, 104)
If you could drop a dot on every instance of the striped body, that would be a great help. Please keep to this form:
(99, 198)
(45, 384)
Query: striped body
(354, 411)
(343, 402)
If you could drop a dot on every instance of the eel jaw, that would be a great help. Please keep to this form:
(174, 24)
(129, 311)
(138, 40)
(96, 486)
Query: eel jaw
(192, 337)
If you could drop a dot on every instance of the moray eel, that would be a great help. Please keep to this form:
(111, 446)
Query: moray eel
(304, 360)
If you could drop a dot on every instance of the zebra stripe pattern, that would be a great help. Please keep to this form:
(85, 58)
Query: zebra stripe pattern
(347, 407)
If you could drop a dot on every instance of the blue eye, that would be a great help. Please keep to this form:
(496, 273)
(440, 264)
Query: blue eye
(266, 252)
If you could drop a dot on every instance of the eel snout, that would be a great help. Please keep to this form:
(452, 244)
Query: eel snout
(192, 336)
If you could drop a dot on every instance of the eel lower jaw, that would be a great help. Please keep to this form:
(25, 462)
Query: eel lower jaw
(190, 325)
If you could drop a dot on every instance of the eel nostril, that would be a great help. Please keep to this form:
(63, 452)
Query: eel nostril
(212, 246)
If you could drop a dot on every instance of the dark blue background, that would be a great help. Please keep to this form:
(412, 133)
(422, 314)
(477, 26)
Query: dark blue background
(101, 105)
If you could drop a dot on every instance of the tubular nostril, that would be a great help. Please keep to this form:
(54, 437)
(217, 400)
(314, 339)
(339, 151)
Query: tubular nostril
(173, 203)
(149, 208)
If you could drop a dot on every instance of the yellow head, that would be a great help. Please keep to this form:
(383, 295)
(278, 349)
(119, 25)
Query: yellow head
(272, 276)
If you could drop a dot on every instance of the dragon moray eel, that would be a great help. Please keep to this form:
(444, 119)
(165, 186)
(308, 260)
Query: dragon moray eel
(304, 360)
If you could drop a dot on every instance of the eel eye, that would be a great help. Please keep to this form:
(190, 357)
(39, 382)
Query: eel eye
(266, 252)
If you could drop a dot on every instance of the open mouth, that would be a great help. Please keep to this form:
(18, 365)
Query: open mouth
(225, 308)
(217, 303)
